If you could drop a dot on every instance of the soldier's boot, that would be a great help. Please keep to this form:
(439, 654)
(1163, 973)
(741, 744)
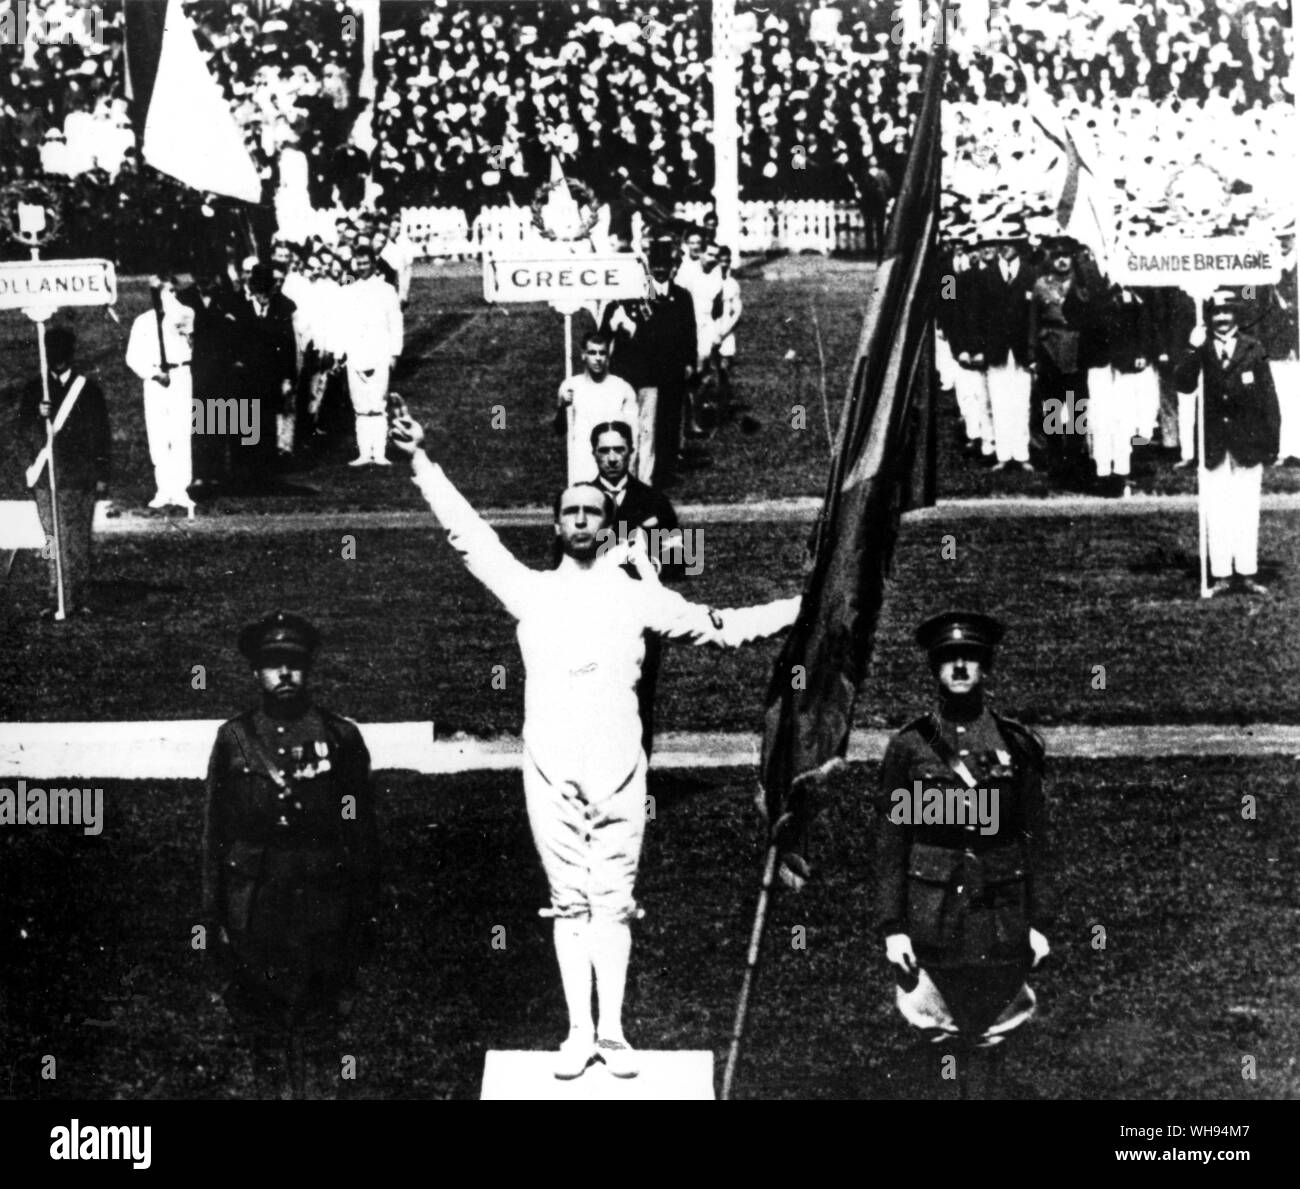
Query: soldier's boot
(946, 1072)
(270, 1068)
(926, 1072)
(296, 1081)
(985, 1081)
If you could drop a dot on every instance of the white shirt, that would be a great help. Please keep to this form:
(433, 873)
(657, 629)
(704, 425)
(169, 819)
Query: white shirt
(399, 255)
(581, 636)
(704, 287)
(142, 355)
(372, 332)
(612, 399)
(724, 328)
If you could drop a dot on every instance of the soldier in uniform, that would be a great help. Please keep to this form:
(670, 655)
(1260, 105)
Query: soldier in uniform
(961, 894)
(290, 859)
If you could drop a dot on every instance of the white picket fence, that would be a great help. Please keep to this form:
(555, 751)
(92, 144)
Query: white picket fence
(794, 226)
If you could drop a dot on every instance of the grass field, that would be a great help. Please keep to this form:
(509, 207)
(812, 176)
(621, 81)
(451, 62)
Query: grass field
(1199, 906)
(412, 636)
(1196, 971)
(465, 360)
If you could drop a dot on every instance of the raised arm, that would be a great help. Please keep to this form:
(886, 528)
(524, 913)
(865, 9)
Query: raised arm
(469, 534)
(670, 615)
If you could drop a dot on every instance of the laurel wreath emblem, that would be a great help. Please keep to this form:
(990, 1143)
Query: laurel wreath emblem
(586, 200)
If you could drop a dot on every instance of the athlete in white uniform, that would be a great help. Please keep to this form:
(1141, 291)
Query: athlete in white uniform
(158, 351)
(592, 399)
(581, 629)
(372, 341)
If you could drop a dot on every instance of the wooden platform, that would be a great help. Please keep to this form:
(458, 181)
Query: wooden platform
(528, 1076)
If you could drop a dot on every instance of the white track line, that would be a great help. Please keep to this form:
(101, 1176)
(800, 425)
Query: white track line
(178, 750)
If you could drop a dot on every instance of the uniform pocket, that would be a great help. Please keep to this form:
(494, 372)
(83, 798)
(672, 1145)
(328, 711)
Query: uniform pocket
(931, 899)
(243, 869)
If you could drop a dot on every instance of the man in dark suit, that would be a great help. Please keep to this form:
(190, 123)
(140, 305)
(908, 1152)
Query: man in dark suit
(263, 366)
(1241, 438)
(1173, 317)
(961, 858)
(654, 351)
(1004, 290)
(639, 506)
(962, 328)
(290, 860)
(82, 445)
(1060, 298)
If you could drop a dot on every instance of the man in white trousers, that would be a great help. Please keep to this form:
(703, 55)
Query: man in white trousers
(581, 629)
(1003, 298)
(1241, 438)
(371, 337)
(158, 351)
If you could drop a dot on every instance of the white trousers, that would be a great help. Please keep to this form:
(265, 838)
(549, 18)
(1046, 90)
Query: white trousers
(1138, 394)
(1110, 422)
(168, 415)
(1286, 379)
(944, 363)
(1231, 498)
(1008, 388)
(1187, 424)
(368, 390)
(972, 389)
(589, 841)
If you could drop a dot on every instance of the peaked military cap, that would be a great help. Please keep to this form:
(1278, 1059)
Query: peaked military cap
(954, 630)
(279, 635)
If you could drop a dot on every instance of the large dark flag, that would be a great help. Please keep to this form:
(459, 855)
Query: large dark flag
(883, 464)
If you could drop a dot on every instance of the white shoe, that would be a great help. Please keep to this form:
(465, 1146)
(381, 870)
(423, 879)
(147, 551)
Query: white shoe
(381, 461)
(360, 461)
(574, 1055)
(158, 501)
(619, 1057)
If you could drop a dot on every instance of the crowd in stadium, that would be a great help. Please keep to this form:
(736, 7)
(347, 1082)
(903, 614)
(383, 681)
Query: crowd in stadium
(469, 106)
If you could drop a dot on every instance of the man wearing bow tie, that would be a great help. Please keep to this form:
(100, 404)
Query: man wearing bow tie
(82, 443)
(637, 505)
(1241, 438)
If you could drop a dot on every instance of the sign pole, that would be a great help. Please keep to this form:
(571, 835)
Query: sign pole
(61, 611)
(1200, 295)
(567, 307)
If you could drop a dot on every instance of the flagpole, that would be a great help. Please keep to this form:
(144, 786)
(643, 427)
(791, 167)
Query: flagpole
(751, 967)
(726, 127)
